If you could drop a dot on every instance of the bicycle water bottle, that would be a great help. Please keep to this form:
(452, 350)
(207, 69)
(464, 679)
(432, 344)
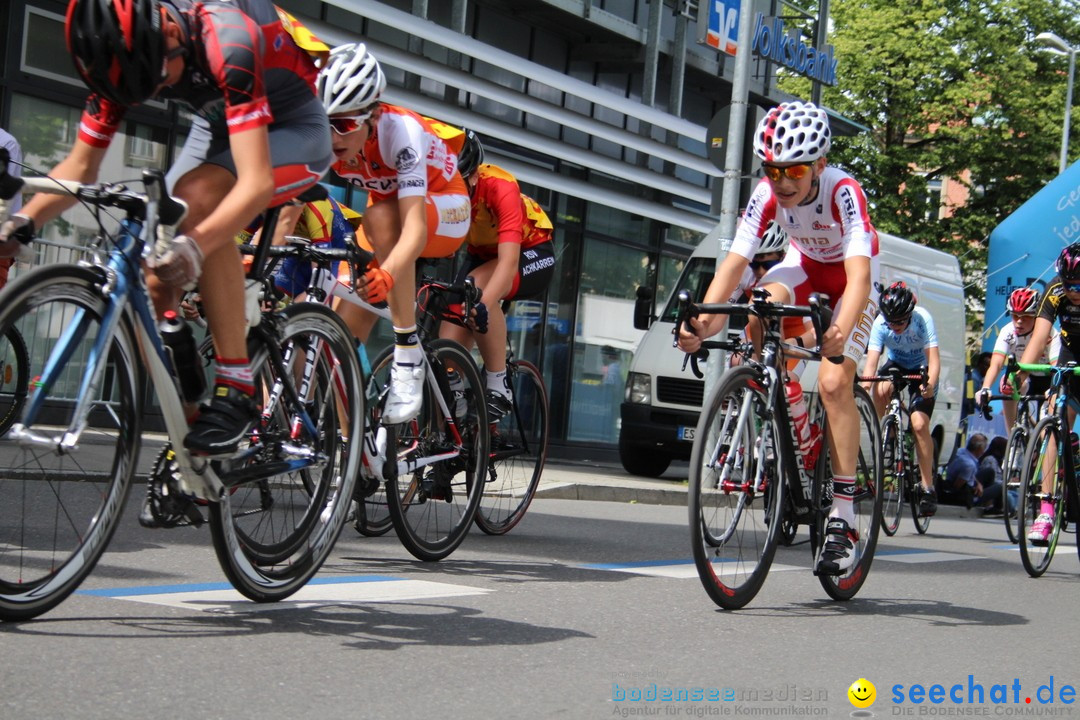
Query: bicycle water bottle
(457, 390)
(181, 345)
(799, 416)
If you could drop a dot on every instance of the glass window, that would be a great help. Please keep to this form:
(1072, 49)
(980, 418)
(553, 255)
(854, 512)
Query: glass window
(47, 55)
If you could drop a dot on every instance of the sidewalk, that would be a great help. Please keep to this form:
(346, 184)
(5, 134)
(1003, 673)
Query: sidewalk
(564, 480)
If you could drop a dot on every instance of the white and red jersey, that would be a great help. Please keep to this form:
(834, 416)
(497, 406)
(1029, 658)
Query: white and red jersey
(403, 157)
(1010, 342)
(832, 228)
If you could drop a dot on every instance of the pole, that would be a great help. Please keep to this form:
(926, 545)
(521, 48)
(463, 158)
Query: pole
(1068, 112)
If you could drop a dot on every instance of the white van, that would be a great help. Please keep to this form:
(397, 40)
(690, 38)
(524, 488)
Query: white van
(661, 403)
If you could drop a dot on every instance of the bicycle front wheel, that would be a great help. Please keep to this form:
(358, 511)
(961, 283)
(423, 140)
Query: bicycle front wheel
(59, 507)
(1042, 487)
(894, 469)
(736, 490)
(1012, 473)
(291, 492)
(867, 501)
(518, 450)
(915, 490)
(14, 377)
(442, 461)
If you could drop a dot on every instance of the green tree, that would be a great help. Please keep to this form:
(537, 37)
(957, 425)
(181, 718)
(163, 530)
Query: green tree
(949, 89)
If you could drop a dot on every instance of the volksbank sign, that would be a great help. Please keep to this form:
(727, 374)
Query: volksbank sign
(788, 49)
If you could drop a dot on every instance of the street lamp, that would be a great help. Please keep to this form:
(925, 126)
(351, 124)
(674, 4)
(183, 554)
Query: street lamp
(1055, 44)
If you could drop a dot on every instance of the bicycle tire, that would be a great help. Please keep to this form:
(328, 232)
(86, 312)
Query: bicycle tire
(273, 531)
(913, 479)
(58, 510)
(867, 501)
(518, 452)
(1011, 476)
(734, 529)
(432, 507)
(373, 508)
(14, 377)
(1036, 558)
(894, 477)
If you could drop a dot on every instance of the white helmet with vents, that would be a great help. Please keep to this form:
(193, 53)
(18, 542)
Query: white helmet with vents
(351, 81)
(774, 241)
(793, 132)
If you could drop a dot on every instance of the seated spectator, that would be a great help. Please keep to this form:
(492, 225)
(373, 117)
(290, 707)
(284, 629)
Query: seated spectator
(961, 483)
(989, 476)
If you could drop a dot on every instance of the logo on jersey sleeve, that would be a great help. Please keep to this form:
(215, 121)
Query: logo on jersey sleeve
(406, 160)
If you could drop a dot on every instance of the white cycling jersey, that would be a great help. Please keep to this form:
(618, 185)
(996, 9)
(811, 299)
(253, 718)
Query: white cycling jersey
(832, 228)
(1009, 342)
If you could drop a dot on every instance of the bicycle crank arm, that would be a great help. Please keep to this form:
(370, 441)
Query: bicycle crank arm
(408, 467)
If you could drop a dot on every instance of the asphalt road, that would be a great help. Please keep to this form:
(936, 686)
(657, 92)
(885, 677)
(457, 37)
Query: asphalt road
(585, 607)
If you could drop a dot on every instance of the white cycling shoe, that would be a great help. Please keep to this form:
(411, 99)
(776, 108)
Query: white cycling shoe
(406, 393)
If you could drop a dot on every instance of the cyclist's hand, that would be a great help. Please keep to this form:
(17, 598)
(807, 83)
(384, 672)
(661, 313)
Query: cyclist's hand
(17, 231)
(375, 285)
(691, 342)
(181, 265)
(833, 341)
(982, 397)
(927, 391)
(1006, 388)
(479, 319)
(190, 306)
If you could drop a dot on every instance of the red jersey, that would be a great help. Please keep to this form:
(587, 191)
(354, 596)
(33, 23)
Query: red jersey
(502, 214)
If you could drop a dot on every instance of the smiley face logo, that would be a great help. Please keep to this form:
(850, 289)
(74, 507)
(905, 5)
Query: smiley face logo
(862, 693)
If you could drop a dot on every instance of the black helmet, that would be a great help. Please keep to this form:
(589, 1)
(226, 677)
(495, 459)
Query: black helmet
(897, 302)
(118, 47)
(1068, 263)
(471, 156)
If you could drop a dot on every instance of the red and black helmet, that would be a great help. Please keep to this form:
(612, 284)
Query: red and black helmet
(1068, 263)
(897, 302)
(118, 47)
(1024, 301)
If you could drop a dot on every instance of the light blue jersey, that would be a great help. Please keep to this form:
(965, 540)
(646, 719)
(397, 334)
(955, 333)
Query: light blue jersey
(908, 348)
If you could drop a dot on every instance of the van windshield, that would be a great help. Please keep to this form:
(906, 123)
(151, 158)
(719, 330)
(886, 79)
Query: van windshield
(696, 277)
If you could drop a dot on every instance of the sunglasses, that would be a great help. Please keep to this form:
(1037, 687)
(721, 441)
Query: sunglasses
(898, 323)
(346, 125)
(1021, 316)
(764, 264)
(792, 172)
(1072, 288)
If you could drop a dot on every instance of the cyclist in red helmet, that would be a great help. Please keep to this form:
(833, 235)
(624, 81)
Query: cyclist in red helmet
(260, 137)
(1061, 302)
(1013, 339)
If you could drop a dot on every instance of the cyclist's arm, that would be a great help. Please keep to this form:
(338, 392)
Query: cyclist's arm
(502, 279)
(286, 225)
(1037, 344)
(248, 197)
(933, 370)
(412, 240)
(996, 363)
(873, 356)
(720, 289)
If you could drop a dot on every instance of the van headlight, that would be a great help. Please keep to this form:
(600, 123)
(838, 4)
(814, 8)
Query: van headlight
(638, 388)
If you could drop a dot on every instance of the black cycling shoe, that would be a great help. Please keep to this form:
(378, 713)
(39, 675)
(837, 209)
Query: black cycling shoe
(928, 503)
(498, 406)
(222, 423)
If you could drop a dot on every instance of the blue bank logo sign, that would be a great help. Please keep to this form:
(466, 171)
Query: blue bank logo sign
(774, 41)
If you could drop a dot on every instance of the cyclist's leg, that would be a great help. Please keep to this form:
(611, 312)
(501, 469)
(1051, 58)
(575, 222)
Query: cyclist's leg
(922, 409)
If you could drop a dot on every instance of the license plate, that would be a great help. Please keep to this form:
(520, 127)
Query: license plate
(686, 433)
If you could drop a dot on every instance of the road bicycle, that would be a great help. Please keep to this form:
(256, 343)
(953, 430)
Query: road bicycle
(275, 507)
(1028, 410)
(519, 438)
(421, 477)
(1048, 474)
(746, 463)
(901, 481)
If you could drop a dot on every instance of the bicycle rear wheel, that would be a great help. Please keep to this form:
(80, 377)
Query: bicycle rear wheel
(291, 491)
(915, 489)
(894, 467)
(14, 377)
(736, 490)
(58, 509)
(867, 502)
(1012, 474)
(518, 450)
(436, 492)
(1043, 463)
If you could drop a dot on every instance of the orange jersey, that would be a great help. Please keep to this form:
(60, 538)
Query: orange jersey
(502, 214)
(403, 157)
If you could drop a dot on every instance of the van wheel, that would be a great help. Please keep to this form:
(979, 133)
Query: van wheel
(639, 460)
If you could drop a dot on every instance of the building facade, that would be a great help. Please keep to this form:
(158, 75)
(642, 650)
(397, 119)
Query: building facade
(601, 108)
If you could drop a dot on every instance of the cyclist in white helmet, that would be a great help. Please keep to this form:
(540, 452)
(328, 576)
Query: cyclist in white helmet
(418, 205)
(833, 250)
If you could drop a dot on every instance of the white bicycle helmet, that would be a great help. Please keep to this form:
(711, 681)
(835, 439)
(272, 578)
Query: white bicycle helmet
(352, 80)
(775, 240)
(793, 132)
